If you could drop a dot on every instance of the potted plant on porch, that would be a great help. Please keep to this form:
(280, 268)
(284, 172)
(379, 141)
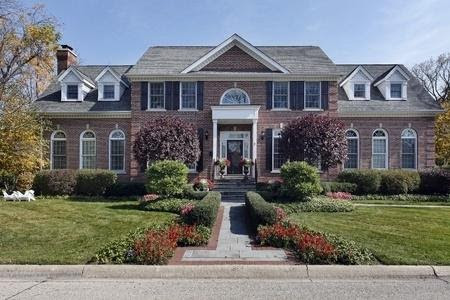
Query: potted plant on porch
(246, 163)
(222, 164)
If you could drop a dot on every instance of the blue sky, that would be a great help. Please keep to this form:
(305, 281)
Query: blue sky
(364, 31)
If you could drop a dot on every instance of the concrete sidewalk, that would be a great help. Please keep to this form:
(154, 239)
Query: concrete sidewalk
(305, 272)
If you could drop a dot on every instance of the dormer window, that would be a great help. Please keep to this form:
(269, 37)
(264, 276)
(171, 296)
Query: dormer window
(396, 90)
(359, 90)
(108, 91)
(72, 92)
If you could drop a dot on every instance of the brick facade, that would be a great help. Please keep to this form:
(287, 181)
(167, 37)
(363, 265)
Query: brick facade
(235, 60)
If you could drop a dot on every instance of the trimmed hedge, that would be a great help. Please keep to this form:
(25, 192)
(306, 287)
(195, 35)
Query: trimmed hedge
(334, 186)
(261, 212)
(190, 193)
(167, 178)
(321, 204)
(301, 181)
(435, 181)
(205, 211)
(126, 189)
(367, 181)
(55, 182)
(94, 182)
(404, 197)
(172, 205)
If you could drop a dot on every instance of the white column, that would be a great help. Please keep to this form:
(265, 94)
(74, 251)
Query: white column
(254, 142)
(214, 151)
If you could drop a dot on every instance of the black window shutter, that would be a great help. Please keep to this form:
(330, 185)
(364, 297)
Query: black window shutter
(168, 95)
(301, 95)
(200, 160)
(324, 93)
(268, 137)
(176, 95)
(144, 95)
(293, 94)
(200, 85)
(269, 86)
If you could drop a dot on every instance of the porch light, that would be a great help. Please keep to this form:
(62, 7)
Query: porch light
(206, 134)
(262, 135)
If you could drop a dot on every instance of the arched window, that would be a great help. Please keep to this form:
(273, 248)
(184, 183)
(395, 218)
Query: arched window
(88, 151)
(352, 149)
(117, 151)
(235, 96)
(409, 149)
(380, 149)
(58, 150)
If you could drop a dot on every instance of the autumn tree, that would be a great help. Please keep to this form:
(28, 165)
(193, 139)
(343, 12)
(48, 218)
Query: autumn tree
(28, 43)
(314, 139)
(434, 74)
(167, 138)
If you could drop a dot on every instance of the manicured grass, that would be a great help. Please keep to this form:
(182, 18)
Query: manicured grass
(66, 231)
(396, 202)
(394, 235)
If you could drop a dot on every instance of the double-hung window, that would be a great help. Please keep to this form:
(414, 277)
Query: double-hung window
(396, 90)
(352, 149)
(58, 149)
(312, 94)
(72, 92)
(188, 91)
(280, 94)
(117, 151)
(409, 146)
(88, 152)
(359, 90)
(108, 91)
(379, 149)
(277, 156)
(156, 95)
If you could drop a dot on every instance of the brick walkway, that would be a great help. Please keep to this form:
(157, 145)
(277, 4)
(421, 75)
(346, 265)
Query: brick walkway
(234, 241)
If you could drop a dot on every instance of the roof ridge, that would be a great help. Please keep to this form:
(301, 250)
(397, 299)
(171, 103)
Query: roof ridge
(105, 65)
(369, 64)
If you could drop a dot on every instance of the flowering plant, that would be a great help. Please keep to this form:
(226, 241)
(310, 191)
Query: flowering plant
(340, 195)
(149, 198)
(185, 210)
(246, 162)
(203, 184)
(222, 163)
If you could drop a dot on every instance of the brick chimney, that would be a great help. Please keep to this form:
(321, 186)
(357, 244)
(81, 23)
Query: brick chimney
(65, 57)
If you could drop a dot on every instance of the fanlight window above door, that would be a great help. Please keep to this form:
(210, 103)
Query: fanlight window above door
(235, 97)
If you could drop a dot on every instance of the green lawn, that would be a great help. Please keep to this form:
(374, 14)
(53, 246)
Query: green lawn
(396, 202)
(63, 231)
(394, 235)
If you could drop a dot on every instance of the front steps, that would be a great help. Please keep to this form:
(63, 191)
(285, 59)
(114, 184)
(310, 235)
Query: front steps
(233, 190)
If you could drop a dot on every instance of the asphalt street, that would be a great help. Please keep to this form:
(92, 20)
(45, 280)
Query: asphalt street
(430, 288)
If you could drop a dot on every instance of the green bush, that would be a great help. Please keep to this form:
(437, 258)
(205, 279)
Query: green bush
(300, 180)
(167, 178)
(205, 211)
(404, 197)
(172, 205)
(55, 182)
(94, 182)
(334, 186)
(189, 192)
(395, 182)
(126, 189)
(261, 212)
(7, 181)
(321, 204)
(367, 181)
(435, 181)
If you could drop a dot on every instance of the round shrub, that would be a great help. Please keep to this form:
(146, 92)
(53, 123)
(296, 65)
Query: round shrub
(94, 182)
(334, 187)
(300, 180)
(167, 178)
(393, 183)
(367, 181)
(435, 181)
(55, 182)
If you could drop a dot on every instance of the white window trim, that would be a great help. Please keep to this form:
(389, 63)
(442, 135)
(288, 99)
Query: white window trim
(386, 138)
(401, 90)
(110, 139)
(416, 158)
(81, 147)
(181, 97)
(64, 86)
(235, 89)
(148, 96)
(275, 132)
(320, 98)
(194, 170)
(101, 86)
(288, 97)
(366, 90)
(52, 139)
(357, 148)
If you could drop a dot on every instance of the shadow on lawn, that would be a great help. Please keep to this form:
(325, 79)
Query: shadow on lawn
(130, 206)
(102, 199)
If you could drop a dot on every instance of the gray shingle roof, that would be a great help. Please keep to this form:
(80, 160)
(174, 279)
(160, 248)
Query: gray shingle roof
(417, 97)
(50, 100)
(171, 60)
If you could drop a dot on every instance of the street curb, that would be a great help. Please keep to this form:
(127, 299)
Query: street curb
(303, 272)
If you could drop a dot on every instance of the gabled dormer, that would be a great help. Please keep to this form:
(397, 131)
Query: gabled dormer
(74, 85)
(394, 85)
(357, 84)
(110, 85)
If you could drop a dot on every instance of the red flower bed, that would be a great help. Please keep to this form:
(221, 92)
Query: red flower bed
(340, 195)
(314, 248)
(157, 246)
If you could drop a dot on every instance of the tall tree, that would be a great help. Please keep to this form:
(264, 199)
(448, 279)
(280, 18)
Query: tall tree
(443, 136)
(28, 43)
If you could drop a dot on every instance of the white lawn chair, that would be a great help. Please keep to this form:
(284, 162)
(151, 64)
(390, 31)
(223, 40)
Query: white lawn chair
(28, 196)
(8, 197)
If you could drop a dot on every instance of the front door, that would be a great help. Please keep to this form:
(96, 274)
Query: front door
(234, 155)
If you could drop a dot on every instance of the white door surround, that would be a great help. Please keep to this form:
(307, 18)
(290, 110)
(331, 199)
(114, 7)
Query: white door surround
(243, 136)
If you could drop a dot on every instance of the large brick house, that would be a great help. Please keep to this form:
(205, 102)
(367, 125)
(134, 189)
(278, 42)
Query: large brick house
(239, 96)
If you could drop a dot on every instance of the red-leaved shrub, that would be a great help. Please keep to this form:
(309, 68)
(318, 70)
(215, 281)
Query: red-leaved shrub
(185, 210)
(157, 246)
(193, 235)
(281, 235)
(314, 248)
